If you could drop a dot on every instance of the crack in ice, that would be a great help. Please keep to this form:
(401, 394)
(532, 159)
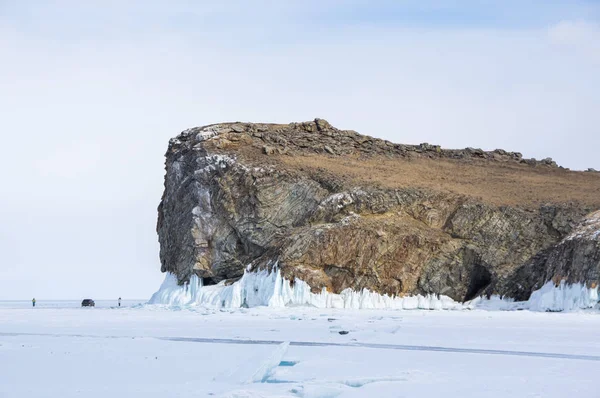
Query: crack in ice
(401, 347)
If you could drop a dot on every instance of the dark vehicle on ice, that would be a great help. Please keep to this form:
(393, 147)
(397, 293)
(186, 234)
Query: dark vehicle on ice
(88, 303)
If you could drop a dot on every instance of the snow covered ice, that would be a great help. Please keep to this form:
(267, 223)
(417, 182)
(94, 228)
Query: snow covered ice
(201, 351)
(265, 337)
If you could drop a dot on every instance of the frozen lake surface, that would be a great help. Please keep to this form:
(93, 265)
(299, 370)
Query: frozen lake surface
(61, 350)
(62, 304)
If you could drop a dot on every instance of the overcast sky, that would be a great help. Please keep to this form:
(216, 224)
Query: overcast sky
(90, 93)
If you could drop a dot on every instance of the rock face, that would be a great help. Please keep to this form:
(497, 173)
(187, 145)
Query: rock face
(575, 259)
(340, 210)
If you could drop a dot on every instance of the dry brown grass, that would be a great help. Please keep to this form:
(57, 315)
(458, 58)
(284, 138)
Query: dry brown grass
(493, 182)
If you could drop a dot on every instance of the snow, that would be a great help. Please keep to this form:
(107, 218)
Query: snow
(150, 351)
(216, 162)
(202, 133)
(339, 200)
(262, 288)
(589, 228)
(342, 200)
(206, 134)
(350, 218)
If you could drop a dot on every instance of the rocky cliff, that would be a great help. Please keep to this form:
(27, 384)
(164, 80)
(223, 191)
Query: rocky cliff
(339, 210)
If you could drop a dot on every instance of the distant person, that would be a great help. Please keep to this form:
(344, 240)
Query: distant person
(119, 301)
(33, 301)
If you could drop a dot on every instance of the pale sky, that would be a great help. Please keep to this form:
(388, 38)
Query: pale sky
(91, 92)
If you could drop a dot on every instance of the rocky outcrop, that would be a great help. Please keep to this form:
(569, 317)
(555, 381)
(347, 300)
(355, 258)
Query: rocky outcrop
(576, 259)
(309, 199)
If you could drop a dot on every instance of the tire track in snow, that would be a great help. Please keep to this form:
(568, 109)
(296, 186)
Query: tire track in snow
(401, 347)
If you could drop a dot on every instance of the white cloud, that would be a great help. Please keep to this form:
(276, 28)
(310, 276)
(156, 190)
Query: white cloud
(580, 35)
(574, 32)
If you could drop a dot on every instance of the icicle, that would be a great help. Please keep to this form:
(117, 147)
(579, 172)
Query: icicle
(271, 289)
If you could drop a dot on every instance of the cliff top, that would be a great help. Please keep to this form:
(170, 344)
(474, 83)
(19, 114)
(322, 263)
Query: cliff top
(349, 158)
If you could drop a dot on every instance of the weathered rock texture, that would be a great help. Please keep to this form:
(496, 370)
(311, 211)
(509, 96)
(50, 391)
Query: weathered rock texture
(342, 210)
(575, 259)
